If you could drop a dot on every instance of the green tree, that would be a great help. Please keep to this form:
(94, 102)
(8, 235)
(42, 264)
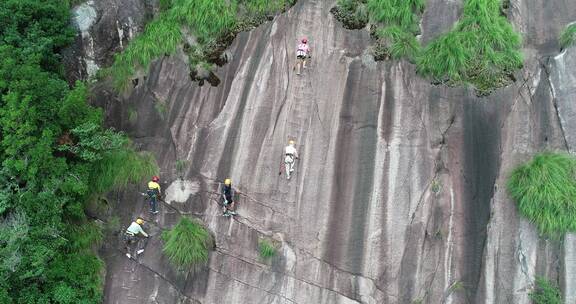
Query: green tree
(54, 152)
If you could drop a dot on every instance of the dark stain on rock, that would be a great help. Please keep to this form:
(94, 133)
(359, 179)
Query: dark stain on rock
(481, 131)
(232, 139)
(354, 173)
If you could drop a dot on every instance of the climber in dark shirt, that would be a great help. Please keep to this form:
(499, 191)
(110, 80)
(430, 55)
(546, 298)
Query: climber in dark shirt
(228, 198)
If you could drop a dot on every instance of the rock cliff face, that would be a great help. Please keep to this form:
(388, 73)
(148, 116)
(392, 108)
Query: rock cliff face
(399, 195)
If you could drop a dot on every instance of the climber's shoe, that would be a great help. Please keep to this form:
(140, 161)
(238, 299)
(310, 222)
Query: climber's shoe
(139, 251)
(128, 255)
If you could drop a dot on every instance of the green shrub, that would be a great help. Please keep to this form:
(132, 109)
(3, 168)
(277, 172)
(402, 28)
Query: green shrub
(482, 49)
(404, 14)
(112, 225)
(545, 192)
(187, 244)
(85, 236)
(545, 293)
(568, 36)
(160, 107)
(162, 36)
(181, 165)
(132, 116)
(266, 248)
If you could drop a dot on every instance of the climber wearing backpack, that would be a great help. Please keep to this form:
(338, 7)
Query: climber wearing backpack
(302, 54)
(132, 236)
(154, 193)
(228, 198)
(290, 156)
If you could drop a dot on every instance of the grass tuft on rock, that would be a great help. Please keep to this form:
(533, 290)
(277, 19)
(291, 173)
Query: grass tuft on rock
(545, 192)
(568, 36)
(545, 293)
(187, 244)
(266, 248)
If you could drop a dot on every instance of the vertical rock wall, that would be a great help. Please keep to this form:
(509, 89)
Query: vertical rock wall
(399, 195)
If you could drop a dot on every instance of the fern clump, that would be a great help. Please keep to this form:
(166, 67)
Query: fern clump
(545, 192)
(187, 244)
(568, 36)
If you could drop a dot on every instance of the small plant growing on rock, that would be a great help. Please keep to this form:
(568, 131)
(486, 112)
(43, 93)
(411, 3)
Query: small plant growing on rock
(545, 192)
(187, 244)
(568, 36)
(545, 293)
(436, 186)
(161, 109)
(267, 249)
(181, 167)
(132, 116)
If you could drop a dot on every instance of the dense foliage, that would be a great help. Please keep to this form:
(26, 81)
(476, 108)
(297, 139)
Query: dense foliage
(54, 154)
(545, 191)
(209, 22)
(187, 244)
(545, 293)
(568, 36)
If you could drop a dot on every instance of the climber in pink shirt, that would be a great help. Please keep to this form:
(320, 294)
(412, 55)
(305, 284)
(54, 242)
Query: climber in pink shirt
(302, 54)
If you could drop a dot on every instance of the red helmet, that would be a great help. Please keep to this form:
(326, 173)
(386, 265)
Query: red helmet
(304, 40)
(155, 179)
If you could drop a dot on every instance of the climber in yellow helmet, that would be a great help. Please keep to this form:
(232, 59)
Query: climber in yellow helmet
(228, 198)
(154, 193)
(132, 236)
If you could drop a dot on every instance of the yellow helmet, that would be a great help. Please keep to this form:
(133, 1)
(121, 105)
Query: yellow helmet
(227, 181)
(139, 221)
(291, 142)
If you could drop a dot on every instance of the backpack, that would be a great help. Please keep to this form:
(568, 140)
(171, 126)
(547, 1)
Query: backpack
(302, 49)
(152, 193)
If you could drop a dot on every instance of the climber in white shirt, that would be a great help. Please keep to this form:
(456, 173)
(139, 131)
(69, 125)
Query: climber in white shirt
(290, 156)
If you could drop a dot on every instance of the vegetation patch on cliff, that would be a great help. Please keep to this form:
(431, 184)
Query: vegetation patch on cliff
(56, 159)
(187, 244)
(394, 24)
(545, 293)
(200, 28)
(568, 36)
(545, 192)
(483, 49)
